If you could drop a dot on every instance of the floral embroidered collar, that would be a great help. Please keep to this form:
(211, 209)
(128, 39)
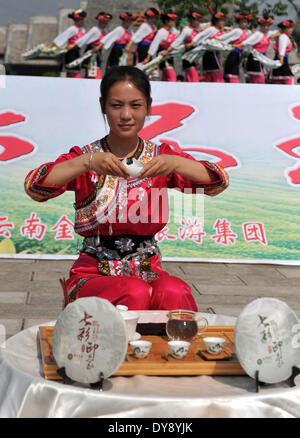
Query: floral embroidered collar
(136, 155)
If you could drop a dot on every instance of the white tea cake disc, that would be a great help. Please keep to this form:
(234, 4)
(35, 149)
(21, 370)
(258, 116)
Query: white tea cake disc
(89, 337)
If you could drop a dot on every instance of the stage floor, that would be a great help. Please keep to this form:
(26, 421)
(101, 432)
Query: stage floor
(30, 293)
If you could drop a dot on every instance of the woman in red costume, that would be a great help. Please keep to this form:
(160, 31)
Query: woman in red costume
(92, 39)
(260, 41)
(120, 260)
(163, 39)
(210, 61)
(186, 36)
(145, 34)
(282, 47)
(68, 39)
(235, 36)
(119, 37)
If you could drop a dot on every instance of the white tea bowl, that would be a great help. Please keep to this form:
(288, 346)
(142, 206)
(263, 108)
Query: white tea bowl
(134, 168)
(179, 348)
(214, 345)
(140, 349)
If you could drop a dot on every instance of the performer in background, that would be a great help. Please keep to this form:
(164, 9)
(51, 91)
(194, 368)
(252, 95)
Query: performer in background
(145, 34)
(235, 37)
(260, 41)
(120, 260)
(282, 47)
(187, 35)
(119, 37)
(164, 37)
(211, 63)
(68, 38)
(91, 40)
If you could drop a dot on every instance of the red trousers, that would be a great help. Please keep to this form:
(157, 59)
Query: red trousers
(169, 75)
(191, 75)
(257, 79)
(167, 292)
(287, 81)
(75, 75)
(214, 76)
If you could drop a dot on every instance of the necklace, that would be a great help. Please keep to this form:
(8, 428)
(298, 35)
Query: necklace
(136, 154)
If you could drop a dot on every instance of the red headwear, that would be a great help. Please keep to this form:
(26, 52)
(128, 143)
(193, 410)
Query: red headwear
(152, 12)
(128, 16)
(263, 20)
(104, 17)
(287, 23)
(172, 16)
(248, 17)
(196, 16)
(77, 15)
(220, 15)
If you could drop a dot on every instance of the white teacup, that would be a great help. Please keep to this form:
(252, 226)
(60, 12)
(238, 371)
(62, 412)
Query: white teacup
(214, 345)
(179, 348)
(131, 318)
(140, 349)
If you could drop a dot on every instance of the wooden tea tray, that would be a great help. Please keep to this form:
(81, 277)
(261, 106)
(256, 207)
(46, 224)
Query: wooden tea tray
(158, 363)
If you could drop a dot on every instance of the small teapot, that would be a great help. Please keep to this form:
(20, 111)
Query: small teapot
(183, 325)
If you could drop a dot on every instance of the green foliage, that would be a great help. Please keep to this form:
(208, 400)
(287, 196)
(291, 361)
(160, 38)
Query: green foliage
(183, 8)
(230, 7)
(276, 10)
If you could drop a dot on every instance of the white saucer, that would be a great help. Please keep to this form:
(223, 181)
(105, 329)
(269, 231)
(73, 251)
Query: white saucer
(266, 338)
(136, 337)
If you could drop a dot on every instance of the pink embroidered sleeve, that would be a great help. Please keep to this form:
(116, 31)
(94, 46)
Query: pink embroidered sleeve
(175, 180)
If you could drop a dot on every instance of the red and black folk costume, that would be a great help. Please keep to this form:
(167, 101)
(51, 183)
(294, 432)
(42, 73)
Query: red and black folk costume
(211, 62)
(92, 39)
(119, 37)
(282, 47)
(67, 39)
(120, 259)
(259, 41)
(232, 63)
(145, 34)
(163, 39)
(186, 36)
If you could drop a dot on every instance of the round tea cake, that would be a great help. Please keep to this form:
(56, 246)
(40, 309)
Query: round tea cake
(267, 340)
(89, 337)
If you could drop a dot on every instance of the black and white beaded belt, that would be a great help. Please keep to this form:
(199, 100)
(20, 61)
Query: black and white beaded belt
(129, 247)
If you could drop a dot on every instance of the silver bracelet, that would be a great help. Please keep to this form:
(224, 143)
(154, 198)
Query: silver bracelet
(90, 161)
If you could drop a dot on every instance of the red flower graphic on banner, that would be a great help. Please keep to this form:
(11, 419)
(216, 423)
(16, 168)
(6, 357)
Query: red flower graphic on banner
(34, 229)
(172, 115)
(224, 233)
(14, 146)
(296, 112)
(289, 147)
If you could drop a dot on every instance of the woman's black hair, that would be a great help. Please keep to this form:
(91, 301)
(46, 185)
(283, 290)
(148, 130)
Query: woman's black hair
(122, 73)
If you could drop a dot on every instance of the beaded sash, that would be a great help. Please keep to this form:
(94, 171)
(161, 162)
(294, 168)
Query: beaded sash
(128, 256)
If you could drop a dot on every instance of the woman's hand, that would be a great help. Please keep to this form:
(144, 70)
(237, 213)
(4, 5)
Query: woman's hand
(106, 163)
(189, 45)
(95, 49)
(160, 165)
(146, 60)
